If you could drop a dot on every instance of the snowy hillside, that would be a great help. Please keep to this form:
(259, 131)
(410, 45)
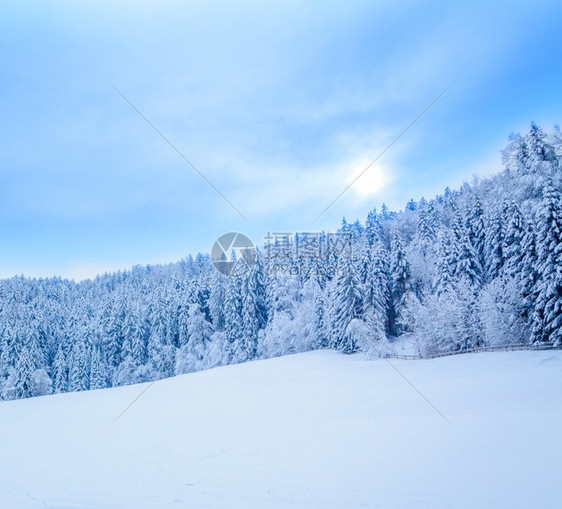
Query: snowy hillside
(319, 429)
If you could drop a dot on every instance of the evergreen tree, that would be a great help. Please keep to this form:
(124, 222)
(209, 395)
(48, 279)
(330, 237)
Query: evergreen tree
(113, 324)
(376, 289)
(467, 264)
(476, 230)
(11, 347)
(233, 315)
(60, 372)
(516, 155)
(494, 244)
(446, 263)
(79, 368)
(182, 318)
(425, 231)
(216, 300)
(320, 314)
(547, 319)
(347, 304)
(528, 274)
(245, 346)
(24, 371)
(373, 229)
(253, 313)
(515, 232)
(538, 148)
(400, 278)
(133, 332)
(191, 356)
(98, 374)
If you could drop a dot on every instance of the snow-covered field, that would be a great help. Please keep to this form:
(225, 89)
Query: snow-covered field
(320, 430)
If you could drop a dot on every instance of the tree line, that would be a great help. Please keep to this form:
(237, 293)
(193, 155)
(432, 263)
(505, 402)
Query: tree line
(481, 265)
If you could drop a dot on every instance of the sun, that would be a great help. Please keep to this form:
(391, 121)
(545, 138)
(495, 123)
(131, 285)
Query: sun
(369, 183)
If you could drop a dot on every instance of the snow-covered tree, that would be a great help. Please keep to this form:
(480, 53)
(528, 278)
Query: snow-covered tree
(41, 383)
(60, 372)
(400, 281)
(347, 306)
(191, 356)
(79, 365)
(547, 319)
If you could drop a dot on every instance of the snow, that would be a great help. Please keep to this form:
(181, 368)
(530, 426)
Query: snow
(319, 429)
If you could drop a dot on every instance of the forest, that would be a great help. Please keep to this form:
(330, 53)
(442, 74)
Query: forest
(477, 266)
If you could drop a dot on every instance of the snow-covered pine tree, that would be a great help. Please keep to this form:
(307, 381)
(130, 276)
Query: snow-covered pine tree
(547, 318)
(467, 264)
(191, 356)
(320, 319)
(347, 307)
(114, 317)
(216, 300)
(446, 263)
(528, 271)
(538, 148)
(182, 317)
(233, 314)
(494, 243)
(24, 370)
(134, 334)
(253, 312)
(400, 280)
(98, 373)
(476, 229)
(376, 290)
(373, 229)
(426, 235)
(516, 155)
(515, 232)
(60, 372)
(258, 280)
(79, 365)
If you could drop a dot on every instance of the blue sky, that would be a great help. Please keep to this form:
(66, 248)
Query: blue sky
(279, 104)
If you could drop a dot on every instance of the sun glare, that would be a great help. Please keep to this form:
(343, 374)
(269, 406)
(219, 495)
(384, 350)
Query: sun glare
(370, 183)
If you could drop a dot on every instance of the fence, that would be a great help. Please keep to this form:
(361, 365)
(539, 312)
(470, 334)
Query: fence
(505, 348)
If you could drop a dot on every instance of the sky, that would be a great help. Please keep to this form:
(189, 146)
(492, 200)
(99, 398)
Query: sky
(280, 105)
